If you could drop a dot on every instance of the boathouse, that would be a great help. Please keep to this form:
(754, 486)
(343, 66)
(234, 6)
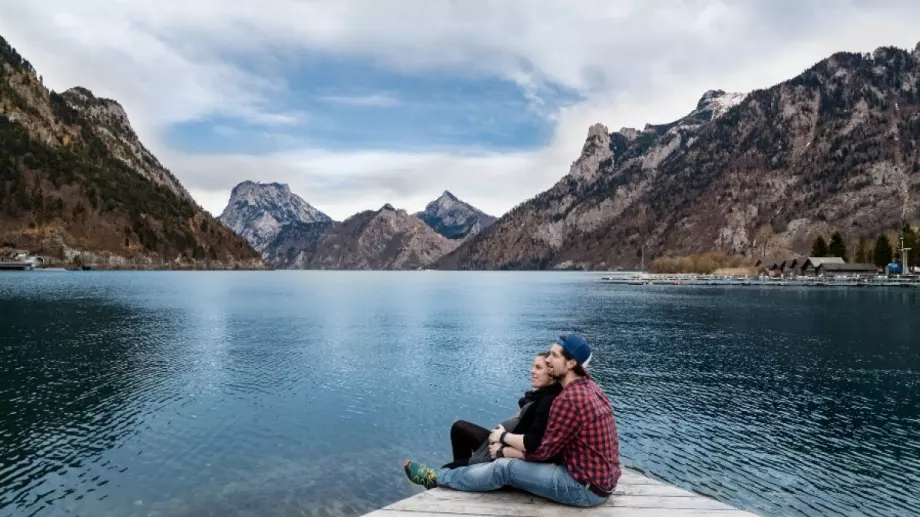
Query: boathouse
(791, 266)
(835, 269)
(770, 267)
(810, 266)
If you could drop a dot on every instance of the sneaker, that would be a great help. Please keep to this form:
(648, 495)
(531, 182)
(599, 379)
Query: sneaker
(420, 474)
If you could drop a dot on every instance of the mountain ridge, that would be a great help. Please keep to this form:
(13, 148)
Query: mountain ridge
(74, 177)
(387, 238)
(258, 211)
(834, 147)
(453, 218)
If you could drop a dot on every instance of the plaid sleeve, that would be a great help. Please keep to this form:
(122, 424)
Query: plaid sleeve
(562, 425)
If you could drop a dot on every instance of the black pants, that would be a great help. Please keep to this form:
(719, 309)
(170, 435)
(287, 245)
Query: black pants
(465, 438)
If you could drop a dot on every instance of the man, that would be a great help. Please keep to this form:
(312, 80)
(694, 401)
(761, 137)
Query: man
(581, 429)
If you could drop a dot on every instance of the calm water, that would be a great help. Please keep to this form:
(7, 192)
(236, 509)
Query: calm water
(300, 393)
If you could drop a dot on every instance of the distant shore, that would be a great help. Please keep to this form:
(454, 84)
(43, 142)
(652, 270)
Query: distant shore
(155, 267)
(799, 281)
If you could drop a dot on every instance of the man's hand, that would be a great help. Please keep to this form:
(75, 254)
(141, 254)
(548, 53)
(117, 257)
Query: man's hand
(493, 449)
(496, 434)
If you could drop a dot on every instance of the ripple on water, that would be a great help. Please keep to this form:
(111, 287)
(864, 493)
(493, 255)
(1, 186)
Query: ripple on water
(143, 394)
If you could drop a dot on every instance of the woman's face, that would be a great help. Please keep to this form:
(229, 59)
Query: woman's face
(539, 374)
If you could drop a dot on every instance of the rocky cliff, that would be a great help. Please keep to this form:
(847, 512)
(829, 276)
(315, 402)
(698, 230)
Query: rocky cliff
(833, 148)
(454, 218)
(384, 239)
(258, 211)
(75, 176)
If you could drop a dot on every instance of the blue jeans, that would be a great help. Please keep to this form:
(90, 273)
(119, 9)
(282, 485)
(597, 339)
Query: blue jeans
(542, 479)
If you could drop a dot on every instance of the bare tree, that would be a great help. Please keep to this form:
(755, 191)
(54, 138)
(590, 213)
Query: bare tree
(763, 238)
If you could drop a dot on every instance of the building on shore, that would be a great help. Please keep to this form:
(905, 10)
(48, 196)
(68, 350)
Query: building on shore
(771, 267)
(794, 266)
(811, 265)
(849, 270)
(791, 267)
(13, 255)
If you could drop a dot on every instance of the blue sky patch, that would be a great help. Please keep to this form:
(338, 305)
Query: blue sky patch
(342, 104)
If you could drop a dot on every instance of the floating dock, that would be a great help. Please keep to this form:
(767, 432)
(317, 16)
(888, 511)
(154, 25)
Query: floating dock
(635, 496)
(15, 266)
(707, 280)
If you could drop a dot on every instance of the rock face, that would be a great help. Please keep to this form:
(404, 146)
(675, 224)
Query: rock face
(385, 239)
(109, 122)
(453, 218)
(75, 176)
(259, 211)
(833, 148)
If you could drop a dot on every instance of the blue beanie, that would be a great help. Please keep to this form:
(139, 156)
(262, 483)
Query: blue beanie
(577, 347)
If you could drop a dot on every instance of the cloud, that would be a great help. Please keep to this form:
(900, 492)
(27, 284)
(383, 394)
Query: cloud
(377, 100)
(344, 183)
(627, 63)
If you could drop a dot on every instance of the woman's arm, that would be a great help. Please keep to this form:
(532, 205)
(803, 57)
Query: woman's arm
(515, 441)
(530, 440)
(534, 434)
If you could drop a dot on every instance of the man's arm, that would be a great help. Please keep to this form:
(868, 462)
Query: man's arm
(563, 423)
(507, 452)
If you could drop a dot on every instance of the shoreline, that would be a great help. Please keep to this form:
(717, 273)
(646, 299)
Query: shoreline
(733, 281)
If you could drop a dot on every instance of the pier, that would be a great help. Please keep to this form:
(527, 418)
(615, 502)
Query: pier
(16, 266)
(635, 496)
(710, 280)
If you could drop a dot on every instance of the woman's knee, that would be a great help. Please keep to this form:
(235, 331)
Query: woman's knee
(460, 426)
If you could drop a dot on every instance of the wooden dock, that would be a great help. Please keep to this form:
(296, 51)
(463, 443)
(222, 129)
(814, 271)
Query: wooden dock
(15, 266)
(635, 496)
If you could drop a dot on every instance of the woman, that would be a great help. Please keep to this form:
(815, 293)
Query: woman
(470, 442)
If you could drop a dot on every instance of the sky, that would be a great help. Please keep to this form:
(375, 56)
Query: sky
(357, 103)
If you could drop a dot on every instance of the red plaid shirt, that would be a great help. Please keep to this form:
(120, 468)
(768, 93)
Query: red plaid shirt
(582, 428)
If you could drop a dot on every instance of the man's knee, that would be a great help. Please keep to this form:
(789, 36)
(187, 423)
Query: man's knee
(504, 463)
(501, 467)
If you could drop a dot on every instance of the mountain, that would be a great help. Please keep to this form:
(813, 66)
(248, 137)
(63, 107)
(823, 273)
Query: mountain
(833, 148)
(453, 218)
(382, 239)
(75, 177)
(258, 211)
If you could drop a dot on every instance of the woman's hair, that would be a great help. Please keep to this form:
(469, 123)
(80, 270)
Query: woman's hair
(544, 355)
(579, 369)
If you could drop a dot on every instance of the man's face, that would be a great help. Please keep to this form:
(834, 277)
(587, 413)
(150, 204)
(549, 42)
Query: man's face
(556, 362)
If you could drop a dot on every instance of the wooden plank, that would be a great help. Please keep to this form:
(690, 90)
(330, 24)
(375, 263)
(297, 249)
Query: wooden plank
(639, 501)
(631, 478)
(582, 512)
(635, 496)
(522, 497)
(510, 508)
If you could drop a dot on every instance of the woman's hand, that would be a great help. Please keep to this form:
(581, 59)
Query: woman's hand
(493, 449)
(496, 435)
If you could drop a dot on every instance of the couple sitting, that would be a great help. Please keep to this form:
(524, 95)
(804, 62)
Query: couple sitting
(562, 446)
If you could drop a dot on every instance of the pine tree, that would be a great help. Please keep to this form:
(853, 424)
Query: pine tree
(837, 247)
(862, 251)
(819, 247)
(883, 253)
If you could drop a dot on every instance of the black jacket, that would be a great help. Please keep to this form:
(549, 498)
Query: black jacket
(533, 420)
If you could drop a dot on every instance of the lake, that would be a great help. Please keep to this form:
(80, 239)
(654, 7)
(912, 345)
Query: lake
(300, 393)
